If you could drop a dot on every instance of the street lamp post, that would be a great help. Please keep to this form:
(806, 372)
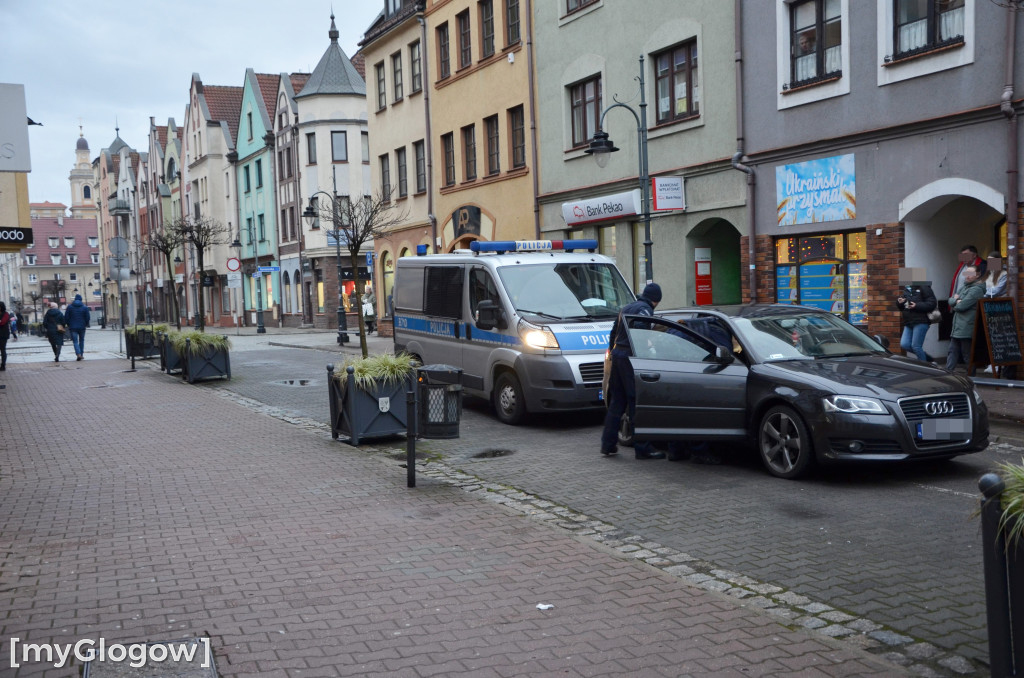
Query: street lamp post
(601, 146)
(260, 328)
(310, 215)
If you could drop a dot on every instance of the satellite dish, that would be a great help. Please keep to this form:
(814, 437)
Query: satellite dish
(118, 246)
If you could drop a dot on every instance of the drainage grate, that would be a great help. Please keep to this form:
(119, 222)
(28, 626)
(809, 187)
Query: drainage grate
(186, 658)
(492, 454)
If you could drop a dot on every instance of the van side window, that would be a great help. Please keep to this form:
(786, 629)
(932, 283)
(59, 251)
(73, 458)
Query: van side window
(443, 296)
(481, 287)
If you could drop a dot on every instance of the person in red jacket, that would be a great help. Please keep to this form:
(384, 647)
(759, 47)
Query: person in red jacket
(968, 257)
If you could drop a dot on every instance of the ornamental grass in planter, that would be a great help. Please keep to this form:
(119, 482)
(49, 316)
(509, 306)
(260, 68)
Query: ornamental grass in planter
(367, 396)
(140, 340)
(170, 359)
(202, 355)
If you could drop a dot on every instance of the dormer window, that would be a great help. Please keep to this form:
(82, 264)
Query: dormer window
(53, 242)
(55, 259)
(94, 241)
(69, 241)
(30, 259)
(72, 259)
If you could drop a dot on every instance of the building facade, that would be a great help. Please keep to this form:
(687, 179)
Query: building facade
(862, 166)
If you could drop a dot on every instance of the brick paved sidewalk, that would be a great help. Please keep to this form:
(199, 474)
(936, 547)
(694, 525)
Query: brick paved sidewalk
(134, 507)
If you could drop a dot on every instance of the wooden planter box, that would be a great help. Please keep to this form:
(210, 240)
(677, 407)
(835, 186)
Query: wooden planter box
(358, 413)
(213, 362)
(170, 359)
(141, 344)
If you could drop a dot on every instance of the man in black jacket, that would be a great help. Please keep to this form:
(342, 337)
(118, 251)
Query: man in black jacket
(621, 393)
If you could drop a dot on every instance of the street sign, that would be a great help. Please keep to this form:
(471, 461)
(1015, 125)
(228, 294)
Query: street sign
(256, 274)
(268, 269)
(234, 264)
(235, 279)
(369, 259)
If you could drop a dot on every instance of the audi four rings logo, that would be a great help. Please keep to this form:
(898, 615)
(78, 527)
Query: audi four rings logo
(939, 407)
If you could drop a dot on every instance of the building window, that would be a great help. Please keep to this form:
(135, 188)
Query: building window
(493, 150)
(30, 259)
(923, 25)
(816, 40)
(469, 152)
(511, 22)
(517, 132)
(678, 89)
(400, 165)
(364, 142)
(69, 241)
(396, 75)
(248, 120)
(382, 95)
(385, 176)
(72, 277)
(486, 28)
(288, 162)
(72, 259)
(246, 178)
(94, 241)
(826, 271)
(263, 226)
(339, 146)
(448, 144)
(55, 259)
(444, 64)
(465, 40)
(259, 173)
(575, 5)
(421, 166)
(86, 193)
(33, 278)
(94, 258)
(53, 242)
(311, 148)
(416, 66)
(585, 105)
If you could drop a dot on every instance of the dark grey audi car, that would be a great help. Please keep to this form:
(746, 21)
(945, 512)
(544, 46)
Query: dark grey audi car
(802, 385)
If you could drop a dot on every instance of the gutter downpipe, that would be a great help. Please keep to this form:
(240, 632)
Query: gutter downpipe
(428, 142)
(1013, 149)
(738, 156)
(533, 118)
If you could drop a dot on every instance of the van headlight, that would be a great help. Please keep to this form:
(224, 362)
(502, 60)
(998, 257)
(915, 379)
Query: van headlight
(853, 405)
(537, 337)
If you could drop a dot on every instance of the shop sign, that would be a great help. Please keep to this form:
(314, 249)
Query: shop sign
(817, 190)
(668, 193)
(605, 208)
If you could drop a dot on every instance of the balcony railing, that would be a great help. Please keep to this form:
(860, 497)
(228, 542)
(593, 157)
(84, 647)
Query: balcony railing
(120, 207)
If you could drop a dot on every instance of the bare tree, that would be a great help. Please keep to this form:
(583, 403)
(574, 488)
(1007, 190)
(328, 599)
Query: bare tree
(166, 241)
(201, 233)
(35, 297)
(356, 223)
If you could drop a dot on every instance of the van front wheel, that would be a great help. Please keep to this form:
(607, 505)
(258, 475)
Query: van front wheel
(509, 404)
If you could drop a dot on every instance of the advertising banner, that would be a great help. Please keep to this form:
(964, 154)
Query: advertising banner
(816, 190)
(605, 208)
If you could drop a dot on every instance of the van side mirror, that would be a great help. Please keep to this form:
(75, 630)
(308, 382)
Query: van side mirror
(489, 315)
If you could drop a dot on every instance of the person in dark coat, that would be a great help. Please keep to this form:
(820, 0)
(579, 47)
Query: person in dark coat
(621, 393)
(51, 321)
(915, 302)
(5, 334)
(77, 316)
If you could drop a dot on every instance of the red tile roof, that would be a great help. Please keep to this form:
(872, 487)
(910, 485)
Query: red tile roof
(46, 205)
(359, 61)
(161, 136)
(299, 81)
(79, 229)
(224, 103)
(268, 88)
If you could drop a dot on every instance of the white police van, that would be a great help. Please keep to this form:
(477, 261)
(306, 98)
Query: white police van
(527, 321)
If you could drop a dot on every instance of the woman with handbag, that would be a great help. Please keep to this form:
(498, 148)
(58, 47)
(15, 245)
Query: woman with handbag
(5, 334)
(917, 303)
(55, 327)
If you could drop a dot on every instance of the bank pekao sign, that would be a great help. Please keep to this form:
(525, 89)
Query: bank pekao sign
(816, 190)
(605, 208)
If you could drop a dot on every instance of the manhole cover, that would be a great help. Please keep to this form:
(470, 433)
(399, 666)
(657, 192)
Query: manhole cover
(295, 382)
(188, 658)
(491, 454)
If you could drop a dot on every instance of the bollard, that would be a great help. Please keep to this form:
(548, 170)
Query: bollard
(1004, 585)
(410, 433)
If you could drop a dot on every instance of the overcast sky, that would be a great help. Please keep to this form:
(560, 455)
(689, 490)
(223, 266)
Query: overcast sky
(115, 63)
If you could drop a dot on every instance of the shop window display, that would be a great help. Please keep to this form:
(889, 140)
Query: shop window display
(825, 271)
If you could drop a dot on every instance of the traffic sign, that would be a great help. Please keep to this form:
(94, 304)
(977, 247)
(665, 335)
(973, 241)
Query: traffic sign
(234, 264)
(369, 259)
(269, 269)
(256, 274)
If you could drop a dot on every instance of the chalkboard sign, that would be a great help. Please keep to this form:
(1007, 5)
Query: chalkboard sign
(996, 337)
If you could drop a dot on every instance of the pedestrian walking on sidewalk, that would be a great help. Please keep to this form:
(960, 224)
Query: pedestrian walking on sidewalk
(5, 334)
(964, 305)
(369, 309)
(915, 300)
(55, 327)
(77, 316)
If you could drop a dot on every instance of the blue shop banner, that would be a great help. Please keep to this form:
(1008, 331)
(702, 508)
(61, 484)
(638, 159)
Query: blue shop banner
(816, 191)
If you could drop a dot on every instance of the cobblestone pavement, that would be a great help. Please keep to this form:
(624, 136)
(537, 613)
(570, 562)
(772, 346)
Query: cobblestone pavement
(135, 507)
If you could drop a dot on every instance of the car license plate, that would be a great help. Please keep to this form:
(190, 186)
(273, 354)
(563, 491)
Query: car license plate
(944, 429)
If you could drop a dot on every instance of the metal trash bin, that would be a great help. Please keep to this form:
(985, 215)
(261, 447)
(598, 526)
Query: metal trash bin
(439, 400)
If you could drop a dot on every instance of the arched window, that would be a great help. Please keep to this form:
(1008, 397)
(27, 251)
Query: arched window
(171, 169)
(387, 265)
(86, 193)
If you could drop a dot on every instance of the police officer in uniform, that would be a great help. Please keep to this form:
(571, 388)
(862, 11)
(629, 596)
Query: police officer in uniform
(621, 388)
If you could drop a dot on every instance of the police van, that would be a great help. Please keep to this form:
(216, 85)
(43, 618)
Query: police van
(527, 321)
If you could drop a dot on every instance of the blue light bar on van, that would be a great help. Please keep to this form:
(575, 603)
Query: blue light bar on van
(502, 246)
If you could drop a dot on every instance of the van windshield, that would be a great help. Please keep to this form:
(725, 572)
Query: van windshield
(573, 291)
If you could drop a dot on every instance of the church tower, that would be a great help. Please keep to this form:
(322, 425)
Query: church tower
(83, 202)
